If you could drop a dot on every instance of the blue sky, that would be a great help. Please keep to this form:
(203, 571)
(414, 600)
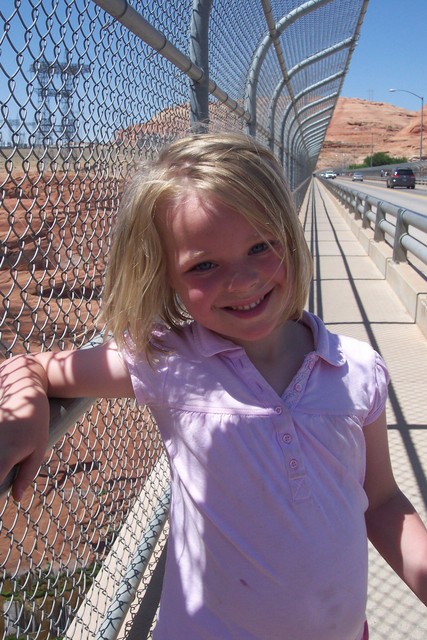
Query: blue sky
(391, 54)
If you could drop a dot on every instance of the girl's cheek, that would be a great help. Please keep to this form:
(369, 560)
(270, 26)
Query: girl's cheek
(196, 295)
(277, 267)
(201, 288)
(201, 296)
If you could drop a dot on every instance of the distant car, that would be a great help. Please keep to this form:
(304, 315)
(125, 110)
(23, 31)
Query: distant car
(401, 178)
(357, 177)
(330, 174)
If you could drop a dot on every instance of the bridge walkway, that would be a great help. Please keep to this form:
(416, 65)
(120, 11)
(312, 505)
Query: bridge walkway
(352, 296)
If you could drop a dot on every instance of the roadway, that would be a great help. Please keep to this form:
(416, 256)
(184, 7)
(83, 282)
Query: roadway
(413, 199)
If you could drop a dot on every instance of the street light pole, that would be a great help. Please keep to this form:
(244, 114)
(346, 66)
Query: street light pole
(422, 116)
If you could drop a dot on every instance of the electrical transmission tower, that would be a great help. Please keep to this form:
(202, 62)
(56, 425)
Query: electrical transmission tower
(59, 123)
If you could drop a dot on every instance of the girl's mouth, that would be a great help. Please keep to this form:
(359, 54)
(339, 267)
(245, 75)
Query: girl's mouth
(248, 307)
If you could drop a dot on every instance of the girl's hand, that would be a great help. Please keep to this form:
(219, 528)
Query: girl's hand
(24, 420)
(27, 381)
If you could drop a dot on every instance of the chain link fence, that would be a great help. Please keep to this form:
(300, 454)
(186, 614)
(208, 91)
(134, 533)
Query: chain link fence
(88, 90)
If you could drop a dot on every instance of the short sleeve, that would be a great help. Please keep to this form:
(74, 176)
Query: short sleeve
(148, 380)
(379, 395)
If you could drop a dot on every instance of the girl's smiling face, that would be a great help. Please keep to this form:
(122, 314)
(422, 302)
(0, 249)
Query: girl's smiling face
(229, 275)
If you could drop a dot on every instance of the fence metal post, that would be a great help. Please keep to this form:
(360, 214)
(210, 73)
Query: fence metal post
(399, 252)
(353, 203)
(199, 55)
(357, 200)
(378, 232)
(365, 220)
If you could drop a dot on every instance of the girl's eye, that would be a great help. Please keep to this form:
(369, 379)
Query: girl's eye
(203, 266)
(261, 247)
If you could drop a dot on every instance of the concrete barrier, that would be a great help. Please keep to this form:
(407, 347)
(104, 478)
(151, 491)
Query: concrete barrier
(409, 285)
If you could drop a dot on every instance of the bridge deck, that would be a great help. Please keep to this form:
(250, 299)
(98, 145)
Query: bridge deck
(352, 297)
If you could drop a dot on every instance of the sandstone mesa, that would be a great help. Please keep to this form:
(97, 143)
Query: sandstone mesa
(359, 128)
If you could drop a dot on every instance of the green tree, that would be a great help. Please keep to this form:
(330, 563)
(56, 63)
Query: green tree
(380, 158)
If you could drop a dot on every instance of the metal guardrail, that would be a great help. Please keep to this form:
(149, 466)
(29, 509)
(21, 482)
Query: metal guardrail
(389, 221)
(88, 89)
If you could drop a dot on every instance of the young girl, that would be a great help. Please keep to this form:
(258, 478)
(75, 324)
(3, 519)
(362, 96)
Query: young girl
(274, 427)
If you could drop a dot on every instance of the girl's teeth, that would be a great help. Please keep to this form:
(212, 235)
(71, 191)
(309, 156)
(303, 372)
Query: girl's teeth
(247, 307)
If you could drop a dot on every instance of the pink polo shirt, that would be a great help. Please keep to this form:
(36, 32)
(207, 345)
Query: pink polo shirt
(267, 531)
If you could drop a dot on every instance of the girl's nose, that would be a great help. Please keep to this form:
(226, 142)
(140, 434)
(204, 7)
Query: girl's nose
(242, 279)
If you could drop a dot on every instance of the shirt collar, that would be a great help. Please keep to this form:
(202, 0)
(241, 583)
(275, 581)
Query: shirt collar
(210, 343)
(327, 344)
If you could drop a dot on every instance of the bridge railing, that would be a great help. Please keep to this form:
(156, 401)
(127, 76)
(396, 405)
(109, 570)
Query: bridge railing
(403, 232)
(397, 225)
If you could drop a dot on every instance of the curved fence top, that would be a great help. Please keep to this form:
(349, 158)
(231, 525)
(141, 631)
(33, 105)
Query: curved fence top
(88, 71)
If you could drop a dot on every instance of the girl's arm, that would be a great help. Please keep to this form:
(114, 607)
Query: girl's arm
(27, 381)
(394, 526)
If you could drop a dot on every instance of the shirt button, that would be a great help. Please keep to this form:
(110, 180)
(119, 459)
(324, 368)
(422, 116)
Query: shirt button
(278, 410)
(293, 463)
(298, 387)
(287, 438)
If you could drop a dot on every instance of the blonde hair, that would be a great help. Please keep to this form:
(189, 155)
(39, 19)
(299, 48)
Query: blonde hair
(231, 168)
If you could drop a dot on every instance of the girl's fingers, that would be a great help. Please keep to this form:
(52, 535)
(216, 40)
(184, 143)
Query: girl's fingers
(24, 474)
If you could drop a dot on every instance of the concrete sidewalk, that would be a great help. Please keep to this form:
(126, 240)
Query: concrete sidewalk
(352, 296)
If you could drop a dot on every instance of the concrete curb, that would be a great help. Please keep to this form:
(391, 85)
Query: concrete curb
(409, 286)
